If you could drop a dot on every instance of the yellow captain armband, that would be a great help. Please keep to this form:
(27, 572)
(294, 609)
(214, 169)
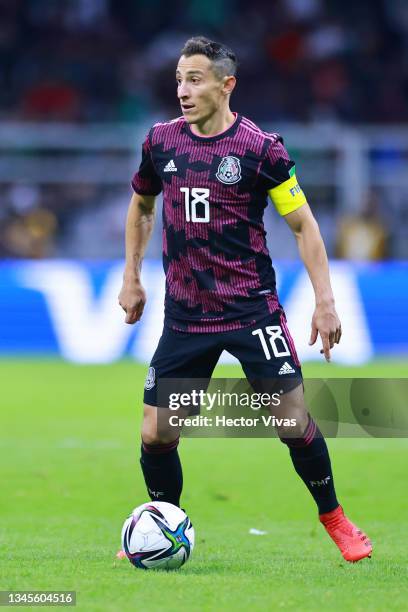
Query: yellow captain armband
(287, 196)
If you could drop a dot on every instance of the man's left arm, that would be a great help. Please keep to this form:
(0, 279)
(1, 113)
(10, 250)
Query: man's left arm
(278, 175)
(311, 247)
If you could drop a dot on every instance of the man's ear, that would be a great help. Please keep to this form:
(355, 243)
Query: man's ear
(229, 83)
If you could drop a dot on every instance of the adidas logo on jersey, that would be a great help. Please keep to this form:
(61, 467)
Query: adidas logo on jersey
(170, 167)
(286, 369)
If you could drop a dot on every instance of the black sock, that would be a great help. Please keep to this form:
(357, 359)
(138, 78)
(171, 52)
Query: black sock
(311, 461)
(162, 472)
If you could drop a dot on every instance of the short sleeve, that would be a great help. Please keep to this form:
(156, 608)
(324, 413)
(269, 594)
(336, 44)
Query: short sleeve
(146, 181)
(278, 174)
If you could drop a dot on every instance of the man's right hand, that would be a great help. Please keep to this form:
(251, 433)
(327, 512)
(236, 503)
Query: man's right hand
(132, 298)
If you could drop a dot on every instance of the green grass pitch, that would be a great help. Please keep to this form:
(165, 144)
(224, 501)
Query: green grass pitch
(69, 441)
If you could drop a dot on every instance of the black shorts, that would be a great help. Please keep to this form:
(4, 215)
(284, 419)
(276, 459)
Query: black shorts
(265, 351)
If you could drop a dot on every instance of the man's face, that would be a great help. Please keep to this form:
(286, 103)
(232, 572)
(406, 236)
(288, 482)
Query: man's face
(199, 90)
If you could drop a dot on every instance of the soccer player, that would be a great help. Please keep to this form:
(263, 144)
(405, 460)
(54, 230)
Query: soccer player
(216, 169)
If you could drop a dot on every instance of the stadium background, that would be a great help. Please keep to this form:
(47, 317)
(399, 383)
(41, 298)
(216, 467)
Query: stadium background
(81, 81)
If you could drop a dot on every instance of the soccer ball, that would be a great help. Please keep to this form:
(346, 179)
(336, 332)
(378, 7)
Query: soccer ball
(158, 535)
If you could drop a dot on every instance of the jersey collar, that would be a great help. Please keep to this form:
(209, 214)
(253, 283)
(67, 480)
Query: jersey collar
(225, 134)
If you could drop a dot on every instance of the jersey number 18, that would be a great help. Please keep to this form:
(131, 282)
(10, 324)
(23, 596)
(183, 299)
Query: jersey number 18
(196, 204)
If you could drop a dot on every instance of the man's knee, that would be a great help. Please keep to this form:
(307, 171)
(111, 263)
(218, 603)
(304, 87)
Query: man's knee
(299, 420)
(156, 428)
(294, 413)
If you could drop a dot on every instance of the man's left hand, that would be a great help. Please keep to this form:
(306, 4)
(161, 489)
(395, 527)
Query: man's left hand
(326, 323)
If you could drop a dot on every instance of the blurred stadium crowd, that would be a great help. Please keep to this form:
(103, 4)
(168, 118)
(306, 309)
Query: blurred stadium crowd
(104, 61)
(91, 60)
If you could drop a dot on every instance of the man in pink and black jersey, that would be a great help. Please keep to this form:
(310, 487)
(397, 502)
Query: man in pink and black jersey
(217, 170)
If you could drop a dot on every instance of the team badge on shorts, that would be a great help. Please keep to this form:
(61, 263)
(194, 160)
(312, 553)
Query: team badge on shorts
(150, 379)
(229, 170)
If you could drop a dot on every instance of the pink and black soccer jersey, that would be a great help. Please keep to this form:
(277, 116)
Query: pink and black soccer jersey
(219, 275)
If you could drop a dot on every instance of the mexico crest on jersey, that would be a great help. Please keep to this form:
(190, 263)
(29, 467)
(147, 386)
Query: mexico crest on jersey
(229, 170)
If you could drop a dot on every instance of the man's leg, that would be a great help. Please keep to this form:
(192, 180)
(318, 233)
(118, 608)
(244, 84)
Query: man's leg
(182, 356)
(308, 450)
(268, 357)
(160, 460)
(310, 458)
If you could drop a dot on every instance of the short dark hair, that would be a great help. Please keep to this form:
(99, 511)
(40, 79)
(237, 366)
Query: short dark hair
(223, 59)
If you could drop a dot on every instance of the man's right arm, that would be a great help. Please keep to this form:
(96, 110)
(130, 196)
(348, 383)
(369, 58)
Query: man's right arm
(139, 226)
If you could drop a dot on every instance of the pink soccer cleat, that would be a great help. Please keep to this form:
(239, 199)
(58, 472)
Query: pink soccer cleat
(353, 543)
